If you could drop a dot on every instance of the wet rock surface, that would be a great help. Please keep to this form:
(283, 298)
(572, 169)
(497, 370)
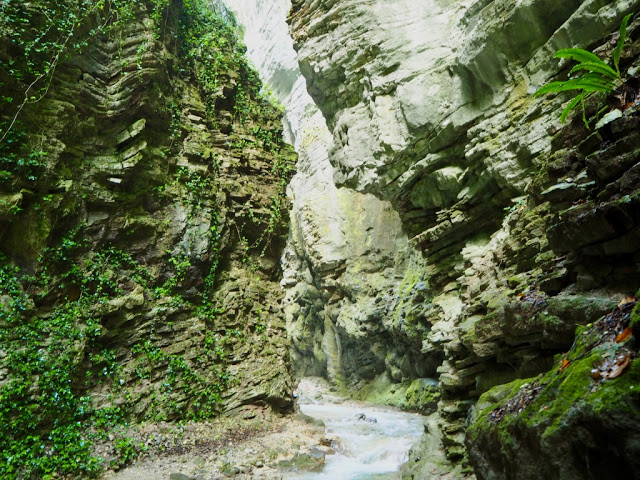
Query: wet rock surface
(265, 446)
(260, 446)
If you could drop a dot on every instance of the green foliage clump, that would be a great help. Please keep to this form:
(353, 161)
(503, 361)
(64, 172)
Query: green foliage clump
(180, 374)
(128, 450)
(47, 423)
(210, 44)
(44, 417)
(19, 160)
(593, 76)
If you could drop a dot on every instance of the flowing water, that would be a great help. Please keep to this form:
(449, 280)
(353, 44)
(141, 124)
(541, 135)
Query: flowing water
(371, 447)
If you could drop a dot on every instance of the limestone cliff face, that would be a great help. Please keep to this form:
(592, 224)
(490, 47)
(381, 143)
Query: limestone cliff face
(512, 236)
(422, 105)
(430, 108)
(146, 241)
(347, 255)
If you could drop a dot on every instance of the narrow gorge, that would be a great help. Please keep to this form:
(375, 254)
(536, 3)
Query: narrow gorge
(204, 201)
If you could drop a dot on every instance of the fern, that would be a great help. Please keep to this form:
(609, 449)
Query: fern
(593, 75)
(623, 36)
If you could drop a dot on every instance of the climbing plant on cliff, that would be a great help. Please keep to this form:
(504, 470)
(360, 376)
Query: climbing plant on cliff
(53, 351)
(44, 422)
(212, 48)
(591, 76)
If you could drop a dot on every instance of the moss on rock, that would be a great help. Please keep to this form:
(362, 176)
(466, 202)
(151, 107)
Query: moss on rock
(581, 418)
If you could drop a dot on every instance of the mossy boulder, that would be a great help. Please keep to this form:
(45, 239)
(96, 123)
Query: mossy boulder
(423, 395)
(579, 420)
(303, 462)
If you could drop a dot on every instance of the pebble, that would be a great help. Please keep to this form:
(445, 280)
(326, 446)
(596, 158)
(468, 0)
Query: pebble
(179, 476)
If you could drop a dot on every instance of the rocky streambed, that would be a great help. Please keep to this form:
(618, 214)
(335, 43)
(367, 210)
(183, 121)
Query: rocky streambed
(330, 437)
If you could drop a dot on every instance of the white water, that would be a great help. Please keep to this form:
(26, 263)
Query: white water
(364, 450)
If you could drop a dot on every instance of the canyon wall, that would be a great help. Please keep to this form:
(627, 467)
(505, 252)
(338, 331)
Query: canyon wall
(446, 236)
(143, 215)
(518, 229)
(348, 261)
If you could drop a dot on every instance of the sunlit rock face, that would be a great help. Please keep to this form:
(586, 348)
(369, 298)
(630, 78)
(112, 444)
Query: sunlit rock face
(422, 98)
(428, 107)
(347, 257)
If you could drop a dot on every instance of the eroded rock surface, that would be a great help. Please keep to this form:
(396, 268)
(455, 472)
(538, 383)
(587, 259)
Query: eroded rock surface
(447, 234)
(141, 261)
(348, 264)
(525, 230)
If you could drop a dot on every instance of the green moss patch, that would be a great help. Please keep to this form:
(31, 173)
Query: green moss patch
(558, 419)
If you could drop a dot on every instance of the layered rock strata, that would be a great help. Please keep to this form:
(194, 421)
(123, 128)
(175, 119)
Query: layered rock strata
(430, 108)
(348, 264)
(146, 240)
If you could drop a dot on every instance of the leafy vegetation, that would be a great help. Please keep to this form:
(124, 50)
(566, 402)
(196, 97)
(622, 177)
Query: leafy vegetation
(18, 159)
(57, 342)
(179, 373)
(44, 418)
(591, 76)
(47, 424)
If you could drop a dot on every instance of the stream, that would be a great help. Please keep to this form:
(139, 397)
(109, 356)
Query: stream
(370, 442)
